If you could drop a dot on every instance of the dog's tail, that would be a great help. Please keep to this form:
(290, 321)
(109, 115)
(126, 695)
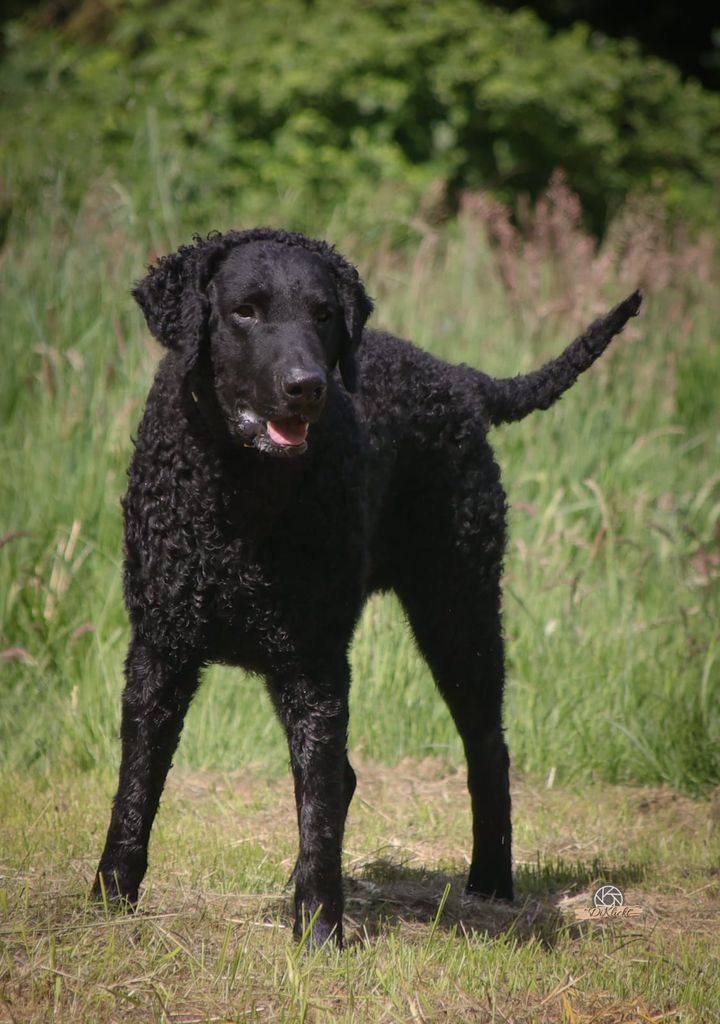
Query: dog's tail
(512, 398)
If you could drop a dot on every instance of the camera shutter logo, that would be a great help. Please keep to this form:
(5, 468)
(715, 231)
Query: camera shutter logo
(608, 896)
(607, 902)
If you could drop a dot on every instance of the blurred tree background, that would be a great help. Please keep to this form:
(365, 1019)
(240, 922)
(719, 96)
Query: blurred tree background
(687, 35)
(500, 176)
(237, 109)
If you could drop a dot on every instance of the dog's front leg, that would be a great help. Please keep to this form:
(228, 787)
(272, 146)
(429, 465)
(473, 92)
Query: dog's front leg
(315, 717)
(155, 700)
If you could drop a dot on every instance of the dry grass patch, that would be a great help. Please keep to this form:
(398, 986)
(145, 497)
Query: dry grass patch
(212, 939)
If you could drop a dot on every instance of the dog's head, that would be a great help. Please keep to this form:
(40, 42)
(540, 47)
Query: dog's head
(261, 319)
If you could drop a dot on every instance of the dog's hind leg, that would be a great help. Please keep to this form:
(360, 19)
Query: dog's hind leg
(155, 701)
(455, 616)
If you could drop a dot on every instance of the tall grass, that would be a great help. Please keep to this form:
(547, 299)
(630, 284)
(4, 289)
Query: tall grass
(613, 570)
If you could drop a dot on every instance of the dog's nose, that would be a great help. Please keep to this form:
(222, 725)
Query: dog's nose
(303, 387)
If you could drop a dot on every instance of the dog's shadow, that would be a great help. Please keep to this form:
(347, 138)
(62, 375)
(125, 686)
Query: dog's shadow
(384, 894)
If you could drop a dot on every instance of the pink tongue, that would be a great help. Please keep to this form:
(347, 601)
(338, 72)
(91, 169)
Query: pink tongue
(287, 432)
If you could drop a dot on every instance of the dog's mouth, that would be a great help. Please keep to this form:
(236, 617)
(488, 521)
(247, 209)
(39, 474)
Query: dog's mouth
(288, 432)
(283, 437)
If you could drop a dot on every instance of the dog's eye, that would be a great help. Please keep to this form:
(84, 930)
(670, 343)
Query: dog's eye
(245, 312)
(323, 314)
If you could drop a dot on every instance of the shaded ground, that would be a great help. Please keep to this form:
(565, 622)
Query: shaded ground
(212, 938)
(566, 844)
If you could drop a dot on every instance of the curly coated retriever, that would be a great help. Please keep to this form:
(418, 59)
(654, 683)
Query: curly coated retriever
(288, 464)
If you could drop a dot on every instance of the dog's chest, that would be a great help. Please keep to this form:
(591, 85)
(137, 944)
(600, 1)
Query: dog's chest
(283, 559)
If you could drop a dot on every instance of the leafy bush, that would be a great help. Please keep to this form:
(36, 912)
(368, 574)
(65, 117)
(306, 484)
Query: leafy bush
(318, 103)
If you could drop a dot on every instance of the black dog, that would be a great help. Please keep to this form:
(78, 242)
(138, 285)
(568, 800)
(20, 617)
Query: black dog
(288, 464)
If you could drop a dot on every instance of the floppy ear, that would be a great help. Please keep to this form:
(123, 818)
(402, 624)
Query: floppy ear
(357, 307)
(173, 299)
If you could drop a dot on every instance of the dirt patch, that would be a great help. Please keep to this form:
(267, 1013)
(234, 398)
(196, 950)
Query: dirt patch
(408, 842)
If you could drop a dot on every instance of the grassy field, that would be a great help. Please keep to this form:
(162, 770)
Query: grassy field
(612, 616)
(613, 569)
(212, 939)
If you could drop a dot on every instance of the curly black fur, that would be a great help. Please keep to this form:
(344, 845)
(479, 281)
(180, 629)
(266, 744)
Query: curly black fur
(282, 472)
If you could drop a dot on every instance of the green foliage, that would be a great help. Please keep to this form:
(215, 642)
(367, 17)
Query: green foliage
(316, 104)
(613, 570)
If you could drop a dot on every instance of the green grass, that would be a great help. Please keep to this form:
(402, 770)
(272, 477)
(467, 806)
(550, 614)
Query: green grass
(611, 611)
(212, 939)
(612, 583)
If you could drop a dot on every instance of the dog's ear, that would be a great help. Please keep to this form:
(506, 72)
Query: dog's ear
(173, 298)
(357, 307)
